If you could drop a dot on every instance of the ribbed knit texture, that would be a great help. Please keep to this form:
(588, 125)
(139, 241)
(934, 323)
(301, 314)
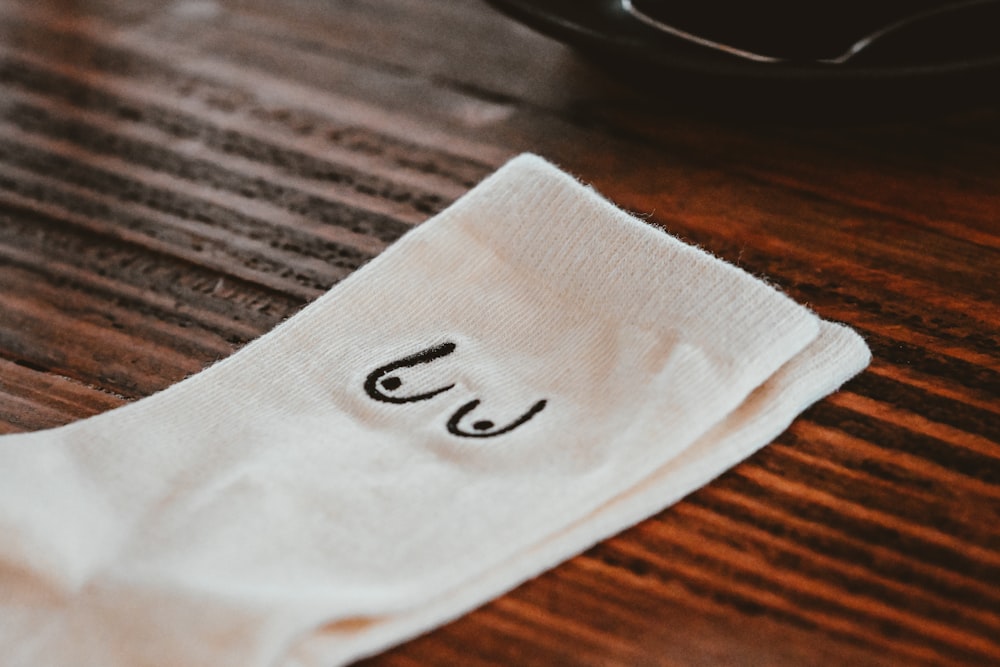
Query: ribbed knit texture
(521, 376)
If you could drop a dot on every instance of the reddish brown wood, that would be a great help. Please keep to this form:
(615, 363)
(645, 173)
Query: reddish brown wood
(177, 178)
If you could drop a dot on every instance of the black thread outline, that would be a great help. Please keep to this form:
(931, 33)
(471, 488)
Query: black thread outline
(471, 405)
(423, 357)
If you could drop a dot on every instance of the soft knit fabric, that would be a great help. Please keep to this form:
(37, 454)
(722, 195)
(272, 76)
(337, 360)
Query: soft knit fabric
(528, 372)
(835, 356)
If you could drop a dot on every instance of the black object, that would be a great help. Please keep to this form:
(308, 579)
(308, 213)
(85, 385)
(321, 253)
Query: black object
(923, 50)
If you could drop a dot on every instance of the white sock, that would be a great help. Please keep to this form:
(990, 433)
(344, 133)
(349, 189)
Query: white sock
(503, 375)
(834, 357)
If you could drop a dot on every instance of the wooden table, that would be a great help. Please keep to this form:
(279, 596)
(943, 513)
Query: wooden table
(179, 177)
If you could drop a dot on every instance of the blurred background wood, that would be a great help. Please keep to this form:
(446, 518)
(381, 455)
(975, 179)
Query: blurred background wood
(176, 178)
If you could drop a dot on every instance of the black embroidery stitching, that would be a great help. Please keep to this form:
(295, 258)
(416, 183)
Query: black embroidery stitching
(390, 383)
(483, 425)
(481, 428)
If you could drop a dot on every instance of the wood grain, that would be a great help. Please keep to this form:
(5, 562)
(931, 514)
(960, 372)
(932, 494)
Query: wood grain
(177, 178)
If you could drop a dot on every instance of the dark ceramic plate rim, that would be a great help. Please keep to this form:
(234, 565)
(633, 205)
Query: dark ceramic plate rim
(628, 40)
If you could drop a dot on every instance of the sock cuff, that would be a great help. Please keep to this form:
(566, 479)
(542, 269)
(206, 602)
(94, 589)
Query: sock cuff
(595, 256)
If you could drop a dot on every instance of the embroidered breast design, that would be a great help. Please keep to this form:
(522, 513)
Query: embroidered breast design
(384, 384)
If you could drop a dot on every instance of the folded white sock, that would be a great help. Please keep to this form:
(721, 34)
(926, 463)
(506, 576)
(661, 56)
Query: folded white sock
(834, 357)
(472, 406)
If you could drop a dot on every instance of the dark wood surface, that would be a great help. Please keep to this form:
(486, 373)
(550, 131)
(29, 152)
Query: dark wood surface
(178, 177)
